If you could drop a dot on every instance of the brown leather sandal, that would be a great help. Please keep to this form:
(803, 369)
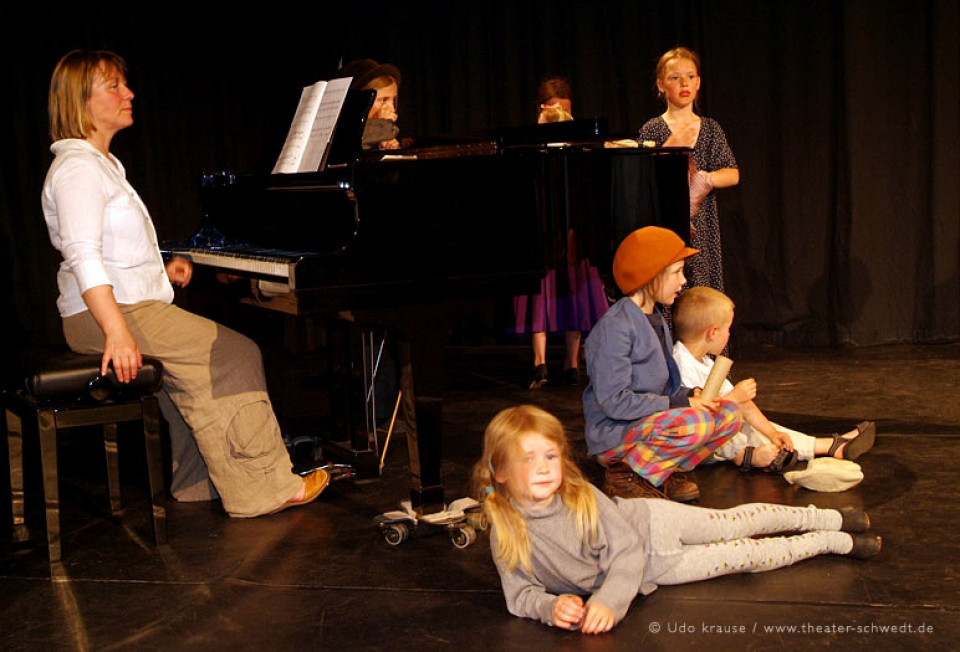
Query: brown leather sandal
(856, 445)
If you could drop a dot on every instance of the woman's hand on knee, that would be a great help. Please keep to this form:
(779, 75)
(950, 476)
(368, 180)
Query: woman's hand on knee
(121, 349)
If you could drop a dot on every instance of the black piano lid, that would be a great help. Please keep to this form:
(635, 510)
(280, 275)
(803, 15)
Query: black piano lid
(585, 129)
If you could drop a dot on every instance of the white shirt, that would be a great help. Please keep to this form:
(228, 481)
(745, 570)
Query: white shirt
(693, 372)
(102, 228)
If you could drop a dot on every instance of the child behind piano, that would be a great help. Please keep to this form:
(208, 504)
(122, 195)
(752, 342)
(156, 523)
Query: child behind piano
(571, 297)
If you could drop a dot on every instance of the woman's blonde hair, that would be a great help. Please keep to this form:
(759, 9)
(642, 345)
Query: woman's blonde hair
(501, 446)
(70, 88)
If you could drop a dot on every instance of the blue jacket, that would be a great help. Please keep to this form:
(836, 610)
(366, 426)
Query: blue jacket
(631, 377)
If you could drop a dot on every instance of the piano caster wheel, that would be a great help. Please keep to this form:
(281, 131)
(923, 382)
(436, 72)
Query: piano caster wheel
(478, 520)
(463, 535)
(459, 521)
(394, 533)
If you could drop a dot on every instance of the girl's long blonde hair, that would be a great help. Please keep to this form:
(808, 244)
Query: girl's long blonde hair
(501, 445)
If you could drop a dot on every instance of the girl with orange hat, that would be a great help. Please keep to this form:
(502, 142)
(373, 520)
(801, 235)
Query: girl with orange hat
(640, 421)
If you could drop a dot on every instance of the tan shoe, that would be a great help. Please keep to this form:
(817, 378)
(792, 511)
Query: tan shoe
(314, 484)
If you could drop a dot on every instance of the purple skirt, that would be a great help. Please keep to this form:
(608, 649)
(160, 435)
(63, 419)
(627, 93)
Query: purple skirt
(572, 302)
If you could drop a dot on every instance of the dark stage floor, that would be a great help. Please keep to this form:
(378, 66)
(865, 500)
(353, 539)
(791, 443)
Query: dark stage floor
(319, 577)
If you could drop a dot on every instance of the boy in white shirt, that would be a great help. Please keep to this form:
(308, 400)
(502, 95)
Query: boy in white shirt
(702, 318)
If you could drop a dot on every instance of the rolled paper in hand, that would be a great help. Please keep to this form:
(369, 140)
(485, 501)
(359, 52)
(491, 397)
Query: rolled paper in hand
(721, 367)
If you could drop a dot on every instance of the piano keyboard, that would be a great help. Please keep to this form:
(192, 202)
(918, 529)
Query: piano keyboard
(250, 260)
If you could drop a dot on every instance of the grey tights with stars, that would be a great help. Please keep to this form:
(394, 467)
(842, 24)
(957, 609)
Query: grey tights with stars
(688, 544)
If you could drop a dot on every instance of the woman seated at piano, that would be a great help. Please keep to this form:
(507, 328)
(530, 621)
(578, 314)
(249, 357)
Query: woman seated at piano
(381, 129)
(116, 300)
(572, 300)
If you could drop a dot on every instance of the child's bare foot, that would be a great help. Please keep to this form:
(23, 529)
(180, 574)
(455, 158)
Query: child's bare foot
(762, 455)
(301, 493)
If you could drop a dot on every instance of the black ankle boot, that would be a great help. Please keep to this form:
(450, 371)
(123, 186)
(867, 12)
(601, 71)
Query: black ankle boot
(854, 519)
(865, 546)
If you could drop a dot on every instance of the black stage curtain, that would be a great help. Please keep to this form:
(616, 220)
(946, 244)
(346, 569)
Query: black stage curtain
(843, 117)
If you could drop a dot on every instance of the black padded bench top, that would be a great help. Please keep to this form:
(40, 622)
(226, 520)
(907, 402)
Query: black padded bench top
(68, 373)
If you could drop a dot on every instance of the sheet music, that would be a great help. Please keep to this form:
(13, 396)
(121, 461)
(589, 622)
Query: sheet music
(323, 124)
(312, 126)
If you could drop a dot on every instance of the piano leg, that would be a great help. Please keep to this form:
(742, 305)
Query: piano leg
(424, 417)
(419, 334)
(358, 354)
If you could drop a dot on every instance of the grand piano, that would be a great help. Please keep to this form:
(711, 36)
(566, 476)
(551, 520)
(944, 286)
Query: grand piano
(404, 242)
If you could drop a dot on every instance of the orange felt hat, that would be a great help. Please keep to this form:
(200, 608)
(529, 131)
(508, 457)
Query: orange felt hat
(645, 253)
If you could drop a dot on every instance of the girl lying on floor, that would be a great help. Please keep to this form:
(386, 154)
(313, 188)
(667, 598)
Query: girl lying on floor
(571, 557)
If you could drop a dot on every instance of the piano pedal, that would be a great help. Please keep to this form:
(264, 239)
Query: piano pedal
(335, 471)
(307, 455)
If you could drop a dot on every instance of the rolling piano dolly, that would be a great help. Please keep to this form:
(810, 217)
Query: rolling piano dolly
(460, 521)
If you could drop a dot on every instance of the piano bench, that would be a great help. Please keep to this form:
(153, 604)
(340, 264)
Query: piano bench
(67, 391)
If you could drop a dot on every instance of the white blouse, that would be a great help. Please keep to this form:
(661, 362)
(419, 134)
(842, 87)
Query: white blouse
(102, 228)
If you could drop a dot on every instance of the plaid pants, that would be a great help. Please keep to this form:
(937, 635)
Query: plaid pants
(673, 440)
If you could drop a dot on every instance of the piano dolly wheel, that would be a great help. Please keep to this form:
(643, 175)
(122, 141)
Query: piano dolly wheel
(478, 520)
(395, 533)
(462, 535)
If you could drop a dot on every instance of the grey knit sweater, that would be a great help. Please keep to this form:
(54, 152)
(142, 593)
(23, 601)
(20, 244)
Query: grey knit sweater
(609, 570)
